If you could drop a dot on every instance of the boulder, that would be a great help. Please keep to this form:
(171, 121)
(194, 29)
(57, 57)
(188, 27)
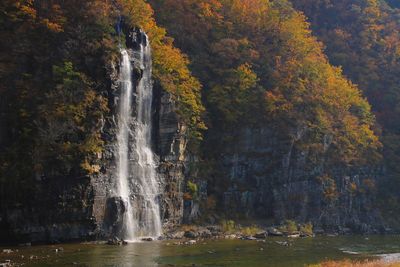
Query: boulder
(205, 233)
(261, 235)
(190, 234)
(116, 241)
(274, 232)
(179, 235)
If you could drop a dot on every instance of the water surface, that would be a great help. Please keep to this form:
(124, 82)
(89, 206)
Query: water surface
(272, 252)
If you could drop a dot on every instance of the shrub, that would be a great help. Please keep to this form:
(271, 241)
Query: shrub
(307, 228)
(289, 227)
(228, 226)
(250, 231)
(193, 189)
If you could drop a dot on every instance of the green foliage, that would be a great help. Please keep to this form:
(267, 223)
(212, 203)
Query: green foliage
(70, 122)
(170, 67)
(193, 189)
(286, 81)
(233, 99)
(228, 226)
(329, 188)
(289, 227)
(52, 58)
(250, 230)
(307, 229)
(261, 68)
(54, 72)
(362, 37)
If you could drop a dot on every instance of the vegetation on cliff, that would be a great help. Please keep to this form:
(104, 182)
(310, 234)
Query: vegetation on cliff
(55, 66)
(260, 67)
(255, 64)
(363, 37)
(260, 64)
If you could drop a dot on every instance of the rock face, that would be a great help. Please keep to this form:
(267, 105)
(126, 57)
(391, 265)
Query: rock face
(269, 178)
(169, 146)
(72, 208)
(63, 212)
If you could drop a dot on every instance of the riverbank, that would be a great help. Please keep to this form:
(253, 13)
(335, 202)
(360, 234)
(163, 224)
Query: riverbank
(228, 229)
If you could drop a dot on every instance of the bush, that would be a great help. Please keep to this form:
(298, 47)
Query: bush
(307, 229)
(250, 231)
(193, 189)
(289, 227)
(228, 226)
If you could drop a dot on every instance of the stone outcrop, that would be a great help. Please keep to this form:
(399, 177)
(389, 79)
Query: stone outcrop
(61, 210)
(269, 178)
(79, 208)
(169, 146)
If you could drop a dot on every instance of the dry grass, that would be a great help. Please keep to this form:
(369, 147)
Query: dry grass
(348, 263)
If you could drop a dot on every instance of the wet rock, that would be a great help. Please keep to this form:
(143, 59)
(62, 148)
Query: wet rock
(148, 239)
(345, 231)
(332, 234)
(215, 230)
(116, 241)
(318, 231)
(303, 234)
(293, 235)
(190, 234)
(205, 233)
(192, 242)
(177, 235)
(274, 232)
(283, 243)
(248, 238)
(261, 235)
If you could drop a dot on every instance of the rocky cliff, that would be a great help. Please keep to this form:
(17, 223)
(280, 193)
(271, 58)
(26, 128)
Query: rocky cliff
(269, 176)
(76, 208)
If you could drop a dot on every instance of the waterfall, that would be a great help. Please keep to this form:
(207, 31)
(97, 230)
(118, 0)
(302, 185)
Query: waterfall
(138, 186)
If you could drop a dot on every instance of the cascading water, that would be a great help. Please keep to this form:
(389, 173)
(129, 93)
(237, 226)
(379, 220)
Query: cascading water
(137, 186)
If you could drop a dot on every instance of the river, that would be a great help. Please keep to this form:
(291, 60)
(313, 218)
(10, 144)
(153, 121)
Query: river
(279, 252)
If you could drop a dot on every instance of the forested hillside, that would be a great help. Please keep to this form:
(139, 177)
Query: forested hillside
(259, 63)
(56, 60)
(263, 70)
(363, 38)
(274, 109)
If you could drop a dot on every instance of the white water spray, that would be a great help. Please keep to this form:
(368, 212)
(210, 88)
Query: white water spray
(137, 185)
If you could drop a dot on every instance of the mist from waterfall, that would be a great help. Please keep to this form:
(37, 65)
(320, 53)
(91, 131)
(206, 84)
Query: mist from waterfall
(138, 185)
